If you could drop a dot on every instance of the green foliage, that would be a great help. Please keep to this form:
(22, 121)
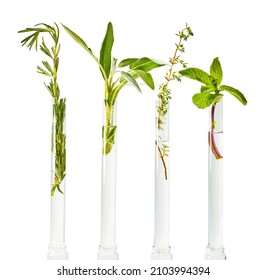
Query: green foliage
(106, 49)
(59, 138)
(50, 69)
(210, 95)
(205, 99)
(164, 94)
(78, 40)
(210, 91)
(146, 64)
(216, 71)
(116, 77)
(108, 138)
(127, 62)
(197, 74)
(131, 80)
(235, 92)
(146, 78)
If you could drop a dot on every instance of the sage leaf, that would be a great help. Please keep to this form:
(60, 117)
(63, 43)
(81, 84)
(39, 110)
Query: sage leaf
(78, 39)
(110, 137)
(216, 71)
(106, 49)
(127, 62)
(197, 74)
(131, 80)
(205, 99)
(235, 92)
(146, 64)
(146, 77)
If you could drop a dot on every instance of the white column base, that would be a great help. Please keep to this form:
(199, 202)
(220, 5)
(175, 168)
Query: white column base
(214, 253)
(159, 254)
(57, 252)
(107, 253)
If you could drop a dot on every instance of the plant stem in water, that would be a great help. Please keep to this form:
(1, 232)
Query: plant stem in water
(211, 138)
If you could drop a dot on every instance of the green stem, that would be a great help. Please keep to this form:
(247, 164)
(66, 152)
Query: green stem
(59, 144)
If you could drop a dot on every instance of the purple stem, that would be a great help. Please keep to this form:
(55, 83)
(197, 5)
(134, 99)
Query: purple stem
(211, 138)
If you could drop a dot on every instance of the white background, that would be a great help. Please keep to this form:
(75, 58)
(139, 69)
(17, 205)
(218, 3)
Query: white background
(232, 30)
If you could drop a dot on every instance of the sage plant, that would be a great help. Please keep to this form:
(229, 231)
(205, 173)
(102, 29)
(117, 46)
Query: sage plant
(115, 78)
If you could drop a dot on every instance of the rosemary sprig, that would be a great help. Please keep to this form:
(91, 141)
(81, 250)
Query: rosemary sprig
(58, 138)
(164, 94)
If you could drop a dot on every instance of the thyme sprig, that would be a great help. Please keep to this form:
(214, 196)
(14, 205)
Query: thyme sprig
(164, 94)
(50, 69)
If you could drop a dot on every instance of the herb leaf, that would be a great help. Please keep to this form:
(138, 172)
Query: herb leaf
(197, 74)
(131, 80)
(146, 77)
(40, 70)
(106, 49)
(216, 71)
(208, 88)
(127, 62)
(58, 137)
(205, 99)
(235, 92)
(146, 64)
(78, 39)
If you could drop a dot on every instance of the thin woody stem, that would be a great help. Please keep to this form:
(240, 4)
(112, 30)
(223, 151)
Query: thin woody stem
(162, 108)
(211, 138)
(162, 158)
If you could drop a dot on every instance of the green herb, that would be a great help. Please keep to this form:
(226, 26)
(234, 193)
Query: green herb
(164, 94)
(115, 78)
(210, 94)
(58, 139)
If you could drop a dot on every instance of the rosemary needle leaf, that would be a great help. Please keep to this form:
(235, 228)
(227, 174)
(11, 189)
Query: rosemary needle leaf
(48, 67)
(42, 71)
